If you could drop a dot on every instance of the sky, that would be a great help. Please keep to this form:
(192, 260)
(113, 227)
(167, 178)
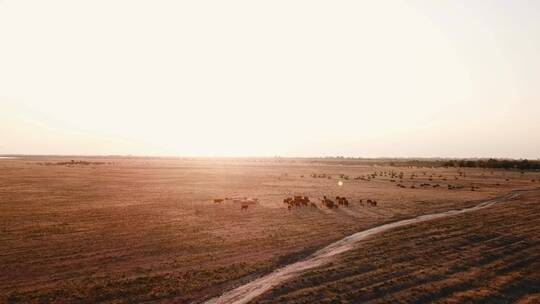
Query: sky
(271, 78)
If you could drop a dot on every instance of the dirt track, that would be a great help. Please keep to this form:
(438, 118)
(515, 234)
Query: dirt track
(251, 290)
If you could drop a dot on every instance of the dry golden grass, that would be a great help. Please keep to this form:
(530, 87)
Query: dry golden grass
(487, 256)
(132, 230)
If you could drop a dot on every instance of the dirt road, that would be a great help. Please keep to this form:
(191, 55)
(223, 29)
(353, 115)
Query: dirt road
(251, 290)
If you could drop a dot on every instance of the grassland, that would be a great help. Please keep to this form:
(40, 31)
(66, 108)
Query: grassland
(488, 256)
(145, 229)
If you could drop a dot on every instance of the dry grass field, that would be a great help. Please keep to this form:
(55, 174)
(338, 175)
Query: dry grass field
(488, 256)
(116, 230)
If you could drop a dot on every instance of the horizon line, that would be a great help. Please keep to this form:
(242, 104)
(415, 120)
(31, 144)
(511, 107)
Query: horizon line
(269, 157)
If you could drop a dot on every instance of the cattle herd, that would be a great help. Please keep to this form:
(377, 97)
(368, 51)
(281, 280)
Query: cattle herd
(304, 201)
(299, 201)
(399, 177)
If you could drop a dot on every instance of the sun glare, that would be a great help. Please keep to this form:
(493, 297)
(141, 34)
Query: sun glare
(377, 78)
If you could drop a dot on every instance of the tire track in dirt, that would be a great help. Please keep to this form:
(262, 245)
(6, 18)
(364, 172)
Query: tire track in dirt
(253, 289)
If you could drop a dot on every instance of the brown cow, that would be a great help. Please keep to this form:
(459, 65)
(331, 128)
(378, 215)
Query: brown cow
(244, 206)
(340, 200)
(329, 203)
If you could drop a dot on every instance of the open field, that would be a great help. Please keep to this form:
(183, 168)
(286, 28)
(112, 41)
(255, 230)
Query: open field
(491, 255)
(147, 229)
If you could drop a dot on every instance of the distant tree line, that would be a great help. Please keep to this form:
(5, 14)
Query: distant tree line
(73, 163)
(491, 163)
(523, 164)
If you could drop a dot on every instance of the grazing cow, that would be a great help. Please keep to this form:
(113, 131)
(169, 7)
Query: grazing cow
(329, 203)
(218, 200)
(342, 201)
(372, 203)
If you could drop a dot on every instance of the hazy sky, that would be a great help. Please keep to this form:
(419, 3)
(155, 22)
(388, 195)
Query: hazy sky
(289, 78)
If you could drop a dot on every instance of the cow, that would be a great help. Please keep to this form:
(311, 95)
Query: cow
(342, 201)
(329, 203)
(244, 206)
(218, 200)
(370, 202)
